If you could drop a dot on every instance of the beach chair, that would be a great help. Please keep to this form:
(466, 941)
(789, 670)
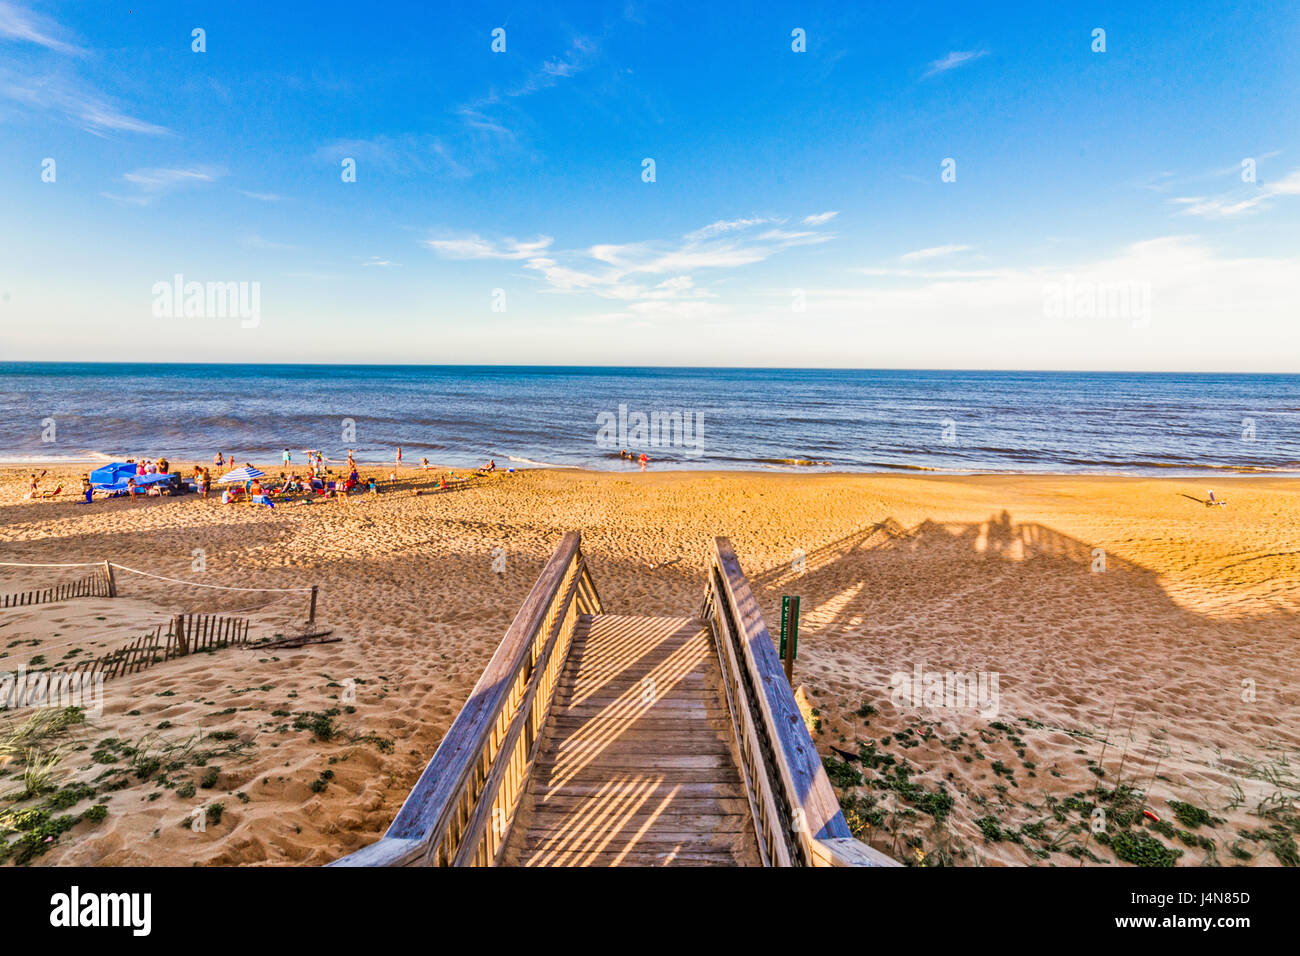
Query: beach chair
(1215, 501)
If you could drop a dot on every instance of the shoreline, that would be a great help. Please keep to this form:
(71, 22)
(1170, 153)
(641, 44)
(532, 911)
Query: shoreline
(1171, 472)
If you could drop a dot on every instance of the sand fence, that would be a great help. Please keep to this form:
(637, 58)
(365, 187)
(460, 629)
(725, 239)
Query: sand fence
(183, 635)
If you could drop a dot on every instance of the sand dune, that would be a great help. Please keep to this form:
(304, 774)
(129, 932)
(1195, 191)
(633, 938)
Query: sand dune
(1132, 674)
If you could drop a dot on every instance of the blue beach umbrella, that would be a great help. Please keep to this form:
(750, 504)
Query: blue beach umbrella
(241, 475)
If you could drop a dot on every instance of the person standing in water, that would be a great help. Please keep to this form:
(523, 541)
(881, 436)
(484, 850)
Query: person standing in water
(399, 456)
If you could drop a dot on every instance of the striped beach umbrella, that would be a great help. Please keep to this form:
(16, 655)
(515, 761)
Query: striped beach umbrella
(241, 475)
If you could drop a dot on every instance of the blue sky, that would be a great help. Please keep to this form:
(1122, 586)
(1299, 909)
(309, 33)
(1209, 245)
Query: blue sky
(798, 215)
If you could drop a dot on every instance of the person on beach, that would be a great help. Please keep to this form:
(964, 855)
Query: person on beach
(87, 489)
(287, 458)
(352, 462)
(399, 456)
(205, 483)
(424, 464)
(131, 488)
(217, 460)
(32, 485)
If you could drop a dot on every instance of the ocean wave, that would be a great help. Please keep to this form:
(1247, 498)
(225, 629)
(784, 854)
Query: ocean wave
(535, 464)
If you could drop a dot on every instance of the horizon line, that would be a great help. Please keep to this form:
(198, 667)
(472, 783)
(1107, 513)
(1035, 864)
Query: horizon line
(738, 368)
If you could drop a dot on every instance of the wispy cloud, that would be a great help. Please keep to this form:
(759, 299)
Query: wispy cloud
(723, 226)
(409, 154)
(1197, 293)
(820, 218)
(654, 277)
(953, 60)
(933, 252)
(1254, 197)
(93, 113)
(1167, 180)
(477, 116)
(28, 27)
(261, 197)
(475, 247)
(43, 90)
(146, 186)
(581, 52)
(268, 245)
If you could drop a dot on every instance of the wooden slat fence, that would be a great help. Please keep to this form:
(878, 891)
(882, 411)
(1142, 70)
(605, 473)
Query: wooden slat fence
(186, 634)
(93, 585)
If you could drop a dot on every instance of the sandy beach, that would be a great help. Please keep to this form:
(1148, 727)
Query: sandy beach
(1144, 647)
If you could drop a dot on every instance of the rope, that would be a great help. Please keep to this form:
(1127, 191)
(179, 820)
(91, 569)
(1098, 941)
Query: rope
(120, 567)
(195, 584)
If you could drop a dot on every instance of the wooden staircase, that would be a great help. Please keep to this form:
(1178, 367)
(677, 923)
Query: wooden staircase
(595, 739)
(636, 767)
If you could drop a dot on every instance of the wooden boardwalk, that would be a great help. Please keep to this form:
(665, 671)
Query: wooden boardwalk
(636, 766)
(596, 739)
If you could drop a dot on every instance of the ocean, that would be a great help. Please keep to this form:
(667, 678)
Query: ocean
(696, 418)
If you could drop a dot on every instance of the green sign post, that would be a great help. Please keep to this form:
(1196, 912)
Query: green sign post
(789, 634)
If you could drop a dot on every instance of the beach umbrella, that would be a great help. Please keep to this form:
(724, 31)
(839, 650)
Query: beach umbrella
(241, 475)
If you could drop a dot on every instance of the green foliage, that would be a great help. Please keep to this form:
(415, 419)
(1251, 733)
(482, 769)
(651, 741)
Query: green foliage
(1190, 815)
(991, 828)
(842, 775)
(1142, 849)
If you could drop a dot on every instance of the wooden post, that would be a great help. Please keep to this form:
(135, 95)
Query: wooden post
(311, 616)
(178, 628)
(112, 585)
(789, 634)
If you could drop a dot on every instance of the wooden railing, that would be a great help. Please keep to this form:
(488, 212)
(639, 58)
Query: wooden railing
(462, 807)
(796, 815)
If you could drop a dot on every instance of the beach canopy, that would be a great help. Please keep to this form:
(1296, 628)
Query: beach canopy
(241, 475)
(118, 471)
(115, 477)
